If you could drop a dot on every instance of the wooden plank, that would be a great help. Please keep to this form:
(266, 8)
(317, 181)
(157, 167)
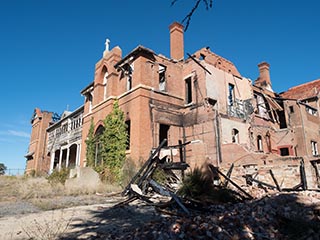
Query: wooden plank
(232, 182)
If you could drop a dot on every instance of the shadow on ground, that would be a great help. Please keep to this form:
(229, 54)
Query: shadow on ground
(281, 216)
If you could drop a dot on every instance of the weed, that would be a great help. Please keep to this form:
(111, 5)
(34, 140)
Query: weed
(48, 229)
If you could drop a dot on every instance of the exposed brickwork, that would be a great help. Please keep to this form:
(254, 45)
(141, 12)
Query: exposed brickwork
(205, 99)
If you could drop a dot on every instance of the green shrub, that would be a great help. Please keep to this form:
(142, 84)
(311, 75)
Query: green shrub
(58, 176)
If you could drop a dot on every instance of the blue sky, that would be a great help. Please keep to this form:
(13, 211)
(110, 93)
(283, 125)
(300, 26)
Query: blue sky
(48, 49)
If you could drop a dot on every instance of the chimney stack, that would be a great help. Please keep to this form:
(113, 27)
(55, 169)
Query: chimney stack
(176, 41)
(264, 76)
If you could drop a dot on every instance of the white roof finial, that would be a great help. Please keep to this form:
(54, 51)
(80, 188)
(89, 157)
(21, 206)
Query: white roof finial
(107, 44)
(107, 47)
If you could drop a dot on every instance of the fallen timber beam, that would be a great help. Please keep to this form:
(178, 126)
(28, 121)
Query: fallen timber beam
(275, 180)
(251, 179)
(228, 175)
(146, 165)
(213, 169)
(163, 191)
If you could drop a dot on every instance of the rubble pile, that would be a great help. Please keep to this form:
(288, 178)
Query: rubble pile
(257, 211)
(294, 215)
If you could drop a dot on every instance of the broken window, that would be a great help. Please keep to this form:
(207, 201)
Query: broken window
(162, 78)
(314, 148)
(128, 71)
(311, 110)
(235, 135)
(129, 82)
(231, 94)
(259, 143)
(188, 90)
(284, 151)
(128, 123)
(163, 133)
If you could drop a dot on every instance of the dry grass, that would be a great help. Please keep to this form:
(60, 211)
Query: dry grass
(46, 196)
(49, 229)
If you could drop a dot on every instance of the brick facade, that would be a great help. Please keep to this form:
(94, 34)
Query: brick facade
(203, 99)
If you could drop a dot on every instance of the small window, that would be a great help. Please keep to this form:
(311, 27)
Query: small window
(284, 151)
(235, 135)
(188, 90)
(128, 123)
(259, 143)
(291, 109)
(231, 95)
(314, 148)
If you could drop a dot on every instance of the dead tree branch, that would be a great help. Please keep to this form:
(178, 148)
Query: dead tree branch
(187, 19)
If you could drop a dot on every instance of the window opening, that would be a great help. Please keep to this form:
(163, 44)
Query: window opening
(291, 109)
(163, 133)
(188, 90)
(128, 123)
(231, 95)
(162, 78)
(129, 82)
(282, 117)
(284, 152)
(235, 135)
(314, 148)
(98, 148)
(268, 140)
(90, 102)
(259, 143)
(105, 81)
(311, 111)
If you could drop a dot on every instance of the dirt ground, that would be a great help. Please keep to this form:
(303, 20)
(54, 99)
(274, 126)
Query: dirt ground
(30, 212)
(81, 222)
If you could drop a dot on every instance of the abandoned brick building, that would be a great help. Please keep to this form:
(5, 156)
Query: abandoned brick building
(203, 99)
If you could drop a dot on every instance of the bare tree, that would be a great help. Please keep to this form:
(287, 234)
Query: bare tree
(187, 19)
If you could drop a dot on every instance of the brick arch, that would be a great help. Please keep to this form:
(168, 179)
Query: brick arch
(98, 126)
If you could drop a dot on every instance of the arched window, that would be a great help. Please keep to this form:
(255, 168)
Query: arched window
(268, 140)
(105, 81)
(259, 143)
(235, 135)
(98, 149)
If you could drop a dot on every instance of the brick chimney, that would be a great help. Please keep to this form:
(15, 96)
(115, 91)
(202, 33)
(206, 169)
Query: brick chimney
(176, 41)
(264, 76)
